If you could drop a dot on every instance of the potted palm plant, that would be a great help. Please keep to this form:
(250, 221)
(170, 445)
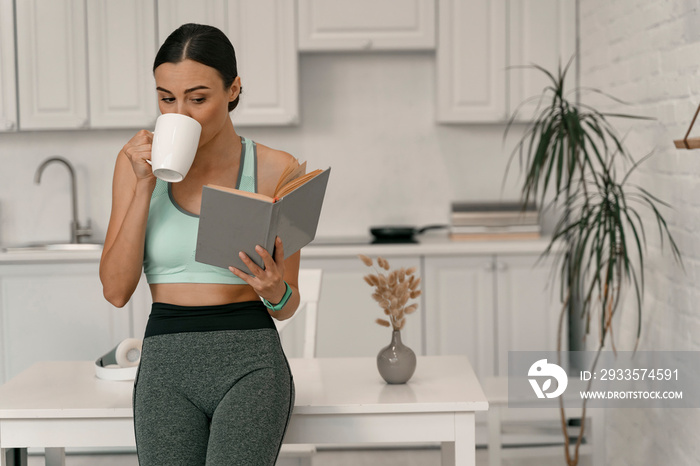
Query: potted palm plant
(575, 165)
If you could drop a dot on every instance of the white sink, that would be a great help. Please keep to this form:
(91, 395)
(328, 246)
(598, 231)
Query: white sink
(55, 247)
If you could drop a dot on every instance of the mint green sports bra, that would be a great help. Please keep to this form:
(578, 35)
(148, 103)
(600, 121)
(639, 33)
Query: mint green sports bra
(171, 233)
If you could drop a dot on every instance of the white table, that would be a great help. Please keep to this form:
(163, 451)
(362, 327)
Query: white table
(338, 401)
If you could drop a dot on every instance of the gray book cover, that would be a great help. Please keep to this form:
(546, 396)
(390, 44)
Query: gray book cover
(230, 222)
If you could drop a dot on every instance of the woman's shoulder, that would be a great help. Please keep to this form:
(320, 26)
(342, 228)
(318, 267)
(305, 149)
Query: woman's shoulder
(271, 165)
(272, 159)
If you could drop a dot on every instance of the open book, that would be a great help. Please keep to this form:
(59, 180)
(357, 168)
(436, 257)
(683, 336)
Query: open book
(232, 220)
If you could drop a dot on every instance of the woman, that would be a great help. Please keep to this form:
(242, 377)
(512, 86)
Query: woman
(213, 385)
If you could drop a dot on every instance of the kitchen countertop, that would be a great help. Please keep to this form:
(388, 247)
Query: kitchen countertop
(434, 244)
(32, 257)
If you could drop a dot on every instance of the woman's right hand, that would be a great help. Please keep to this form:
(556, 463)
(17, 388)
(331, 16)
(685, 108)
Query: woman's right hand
(138, 151)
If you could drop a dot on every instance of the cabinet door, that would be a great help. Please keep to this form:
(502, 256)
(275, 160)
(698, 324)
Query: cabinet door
(528, 306)
(366, 25)
(347, 312)
(264, 35)
(471, 61)
(51, 64)
(8, 106)
(174, 13)
(121, 49)
(55, 312)
(459, 309)
(542, 32)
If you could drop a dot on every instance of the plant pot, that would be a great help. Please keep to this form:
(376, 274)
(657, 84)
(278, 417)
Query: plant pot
(397, 362)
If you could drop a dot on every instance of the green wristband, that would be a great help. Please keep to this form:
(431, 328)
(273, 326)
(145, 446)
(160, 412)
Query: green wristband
(280, 305)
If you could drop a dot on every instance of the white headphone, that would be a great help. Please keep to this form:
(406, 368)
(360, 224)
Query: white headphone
(121, 362)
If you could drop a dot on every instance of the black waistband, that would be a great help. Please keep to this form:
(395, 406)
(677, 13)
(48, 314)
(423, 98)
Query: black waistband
(169, 318)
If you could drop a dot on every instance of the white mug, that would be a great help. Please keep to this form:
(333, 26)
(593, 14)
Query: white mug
(175, 141)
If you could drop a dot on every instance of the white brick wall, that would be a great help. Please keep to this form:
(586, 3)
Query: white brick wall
(647, 52)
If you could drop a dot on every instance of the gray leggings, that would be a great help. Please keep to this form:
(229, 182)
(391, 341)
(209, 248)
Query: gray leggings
(212, 398)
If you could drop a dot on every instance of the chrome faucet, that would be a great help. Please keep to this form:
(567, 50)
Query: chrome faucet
(76, 230)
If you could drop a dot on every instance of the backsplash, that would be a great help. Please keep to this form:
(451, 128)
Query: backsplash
(370, 117)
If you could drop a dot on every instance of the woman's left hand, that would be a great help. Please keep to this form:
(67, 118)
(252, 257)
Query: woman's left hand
(268, 283)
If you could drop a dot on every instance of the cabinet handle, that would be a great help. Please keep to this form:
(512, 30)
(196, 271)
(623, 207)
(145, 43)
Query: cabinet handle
(501, 266)
(490, 267)
(9, 124)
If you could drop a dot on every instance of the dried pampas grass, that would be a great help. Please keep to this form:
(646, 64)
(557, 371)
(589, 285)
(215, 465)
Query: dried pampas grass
(392, 291)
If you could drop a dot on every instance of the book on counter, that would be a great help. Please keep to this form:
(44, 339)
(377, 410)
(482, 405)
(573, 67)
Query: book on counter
(489, 233)
(480, 221)
(495, 206)
(232, 220)
(493, 236)
(493, 214)
(457, 229)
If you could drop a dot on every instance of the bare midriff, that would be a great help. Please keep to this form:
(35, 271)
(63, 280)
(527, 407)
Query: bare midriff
(201, 294)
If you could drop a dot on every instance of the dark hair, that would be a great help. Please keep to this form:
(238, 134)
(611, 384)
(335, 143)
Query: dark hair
(204, 44)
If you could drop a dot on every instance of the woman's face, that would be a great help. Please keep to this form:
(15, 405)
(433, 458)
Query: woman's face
(196, 90)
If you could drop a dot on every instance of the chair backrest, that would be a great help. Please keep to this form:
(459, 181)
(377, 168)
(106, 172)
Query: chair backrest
(310, 292)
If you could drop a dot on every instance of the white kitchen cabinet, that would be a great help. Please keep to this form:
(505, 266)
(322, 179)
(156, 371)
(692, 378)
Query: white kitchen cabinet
(471, 61)
(8, 100)
(481, 42)
(121, 48)
(527, 306)
(263, 33)
(332, 25)
(54, 312)
(347, 312)
(541, 32)
(460, 296)
(174, 13)
(85, 64)
(485, 306)
(51, 64)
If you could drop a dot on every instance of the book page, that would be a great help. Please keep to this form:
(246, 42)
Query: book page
(293, 175)
(262, 197)
(294, 170)
(295, 183)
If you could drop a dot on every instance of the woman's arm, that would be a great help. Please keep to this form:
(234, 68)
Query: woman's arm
(132, 186)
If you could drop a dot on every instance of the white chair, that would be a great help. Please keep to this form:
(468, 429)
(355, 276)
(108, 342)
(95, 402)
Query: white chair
(310, 291)
(535, 441)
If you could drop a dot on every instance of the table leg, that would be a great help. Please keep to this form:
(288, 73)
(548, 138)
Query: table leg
(55, 456)
(461, 452)
(13, 457)
(495, 440)
(447, 453)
